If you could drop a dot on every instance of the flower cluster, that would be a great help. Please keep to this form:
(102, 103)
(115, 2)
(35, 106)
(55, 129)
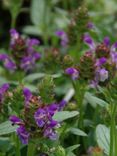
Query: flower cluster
(98, 65)
(23, 54)
(37, 118)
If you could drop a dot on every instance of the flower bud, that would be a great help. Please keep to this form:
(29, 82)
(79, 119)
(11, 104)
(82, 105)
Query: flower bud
(102, 51)
(60, 151)
(87, 66)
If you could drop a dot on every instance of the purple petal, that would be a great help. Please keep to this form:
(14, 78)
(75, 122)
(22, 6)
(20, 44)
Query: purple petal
(14, 34)
(89, 41)
(72, 72)
(3, 57)
(23, 134)
(15, 120)
(106, 41)
(113, 47)
(90, 25)
(103, 74)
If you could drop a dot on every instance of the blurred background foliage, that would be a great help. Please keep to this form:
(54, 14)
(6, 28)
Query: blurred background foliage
(42, 18)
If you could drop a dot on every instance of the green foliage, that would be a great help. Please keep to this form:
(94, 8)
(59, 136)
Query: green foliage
(77, 131)
(64, 115)
(14, 7)
(103, 138)
(46, 88)
(94, 101)
(7, 128)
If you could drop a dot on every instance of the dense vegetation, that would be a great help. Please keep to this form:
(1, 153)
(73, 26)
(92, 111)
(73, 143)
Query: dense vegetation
(58, 78)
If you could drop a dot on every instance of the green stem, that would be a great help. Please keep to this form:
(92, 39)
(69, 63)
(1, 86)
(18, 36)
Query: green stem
(79, 96)
(31, 149)
(17, 146)
(113, 132)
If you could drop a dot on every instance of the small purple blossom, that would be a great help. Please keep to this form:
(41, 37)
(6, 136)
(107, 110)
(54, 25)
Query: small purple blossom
(72, 72)
(4, 87)
(3, 57)
(28, 95)
(23, 134)
(15, 120)
(9, 64)
(40, 117)
(51, 109)
(43, 119)
(14, 34)
(28, 62)
(89, 41)
(103, 74)
(53, 124)
(63, 36)
(30, 43)
(50, 133)
(114, 58)
(101, 61)
(90, 25)
(62, 104)
(106, 41)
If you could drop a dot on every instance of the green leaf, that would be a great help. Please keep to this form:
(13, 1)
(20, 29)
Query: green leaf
(36, 76)
(64, 115)
(95, 100)
(71, 154)
(6, 128)
(71, 148)
(103, 137)
(77, 131)
(32, 30)
(39, 12)
(4, 143)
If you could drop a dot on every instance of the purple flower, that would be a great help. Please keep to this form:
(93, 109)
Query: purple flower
(89, 41)
(103, 74)
(72, 72)
(62, 104)
(93, 83)
(14, 34)
(32, 42)
(9, 64)
(53, 123)
(51, 109)
(3, 57)
(28, 62)
(50, 133)
(106, 41)
(101, 61)
(23, 134)
(4, 88)
(36, 56)
(90, 25)
(63, 36)
(15, 120)
(28, 95)
(40, 117)
(114, 58)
